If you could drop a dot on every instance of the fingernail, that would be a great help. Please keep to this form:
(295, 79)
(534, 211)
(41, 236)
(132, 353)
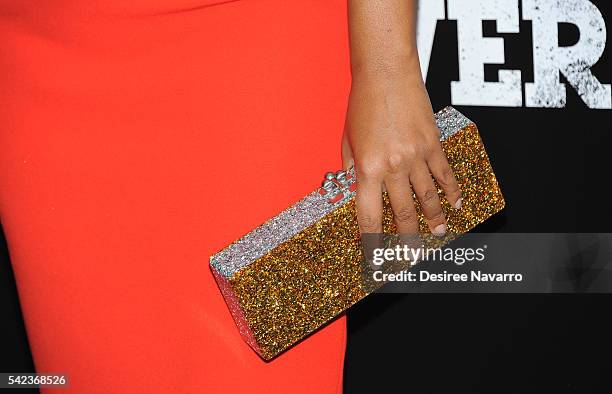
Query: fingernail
(458, 203)
(440, 230)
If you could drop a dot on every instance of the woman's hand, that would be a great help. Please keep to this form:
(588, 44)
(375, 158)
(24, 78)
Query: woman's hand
(392, 139)
(390, 133)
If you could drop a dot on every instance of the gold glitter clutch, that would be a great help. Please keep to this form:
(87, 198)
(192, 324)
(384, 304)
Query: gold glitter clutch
(300, 269)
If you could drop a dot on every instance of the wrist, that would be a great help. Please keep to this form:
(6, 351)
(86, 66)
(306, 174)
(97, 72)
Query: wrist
(406, 80)
(403, 67)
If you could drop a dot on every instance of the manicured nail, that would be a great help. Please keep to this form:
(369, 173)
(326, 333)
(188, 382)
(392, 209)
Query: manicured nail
(458, 203)
(440, 230)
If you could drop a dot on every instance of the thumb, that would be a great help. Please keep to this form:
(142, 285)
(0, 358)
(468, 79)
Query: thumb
(347, 153)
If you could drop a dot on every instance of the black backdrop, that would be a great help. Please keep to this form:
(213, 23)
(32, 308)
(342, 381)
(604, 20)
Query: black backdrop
(553, 166)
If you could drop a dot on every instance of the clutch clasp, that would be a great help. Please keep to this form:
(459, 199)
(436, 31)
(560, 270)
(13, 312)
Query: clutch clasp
(339, 186)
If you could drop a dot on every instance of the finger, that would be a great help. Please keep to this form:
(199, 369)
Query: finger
(443, 173)
(369, 203)
(347, 153)
(427, 194)
(402, 203)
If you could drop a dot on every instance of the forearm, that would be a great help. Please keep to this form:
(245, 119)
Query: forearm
(383, 38)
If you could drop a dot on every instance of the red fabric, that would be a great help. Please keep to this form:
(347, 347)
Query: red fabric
(137, 138)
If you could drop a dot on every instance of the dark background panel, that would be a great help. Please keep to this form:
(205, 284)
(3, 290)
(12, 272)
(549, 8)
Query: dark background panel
(472, 343)
(14, 350)
(553, 166)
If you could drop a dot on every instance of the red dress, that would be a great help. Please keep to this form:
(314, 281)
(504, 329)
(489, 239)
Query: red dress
(138, 138)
